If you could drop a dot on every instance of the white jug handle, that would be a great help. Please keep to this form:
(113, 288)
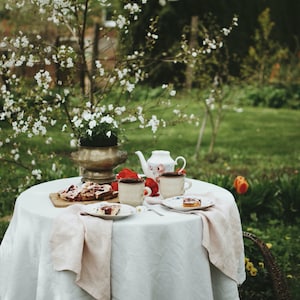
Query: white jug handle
(184, 162)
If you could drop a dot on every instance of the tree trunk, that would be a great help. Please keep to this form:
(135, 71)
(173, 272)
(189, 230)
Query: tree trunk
(95, 55)
(200, 135)
(189, 75)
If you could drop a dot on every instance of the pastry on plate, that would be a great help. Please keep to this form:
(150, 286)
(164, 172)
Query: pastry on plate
(108, 210)
(191, 202)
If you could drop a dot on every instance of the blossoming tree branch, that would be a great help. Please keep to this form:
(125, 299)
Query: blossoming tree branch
(70, 84)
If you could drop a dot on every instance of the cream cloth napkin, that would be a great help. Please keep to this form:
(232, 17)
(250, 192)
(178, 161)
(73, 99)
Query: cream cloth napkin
(82, 244)
(222, 234)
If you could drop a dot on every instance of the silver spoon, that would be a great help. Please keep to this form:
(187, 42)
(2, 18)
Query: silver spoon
(146, 208)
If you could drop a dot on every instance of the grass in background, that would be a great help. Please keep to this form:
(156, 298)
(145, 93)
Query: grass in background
(253, 141)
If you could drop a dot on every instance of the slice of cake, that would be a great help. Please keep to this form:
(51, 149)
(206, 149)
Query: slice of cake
(109, 210)
(191, 202)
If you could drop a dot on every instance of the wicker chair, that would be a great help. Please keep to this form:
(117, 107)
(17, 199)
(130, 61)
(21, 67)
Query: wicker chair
(280, 287)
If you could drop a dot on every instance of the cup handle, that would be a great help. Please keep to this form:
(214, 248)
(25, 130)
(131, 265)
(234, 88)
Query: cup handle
(187, 184)
(184, 162)
(147, 191)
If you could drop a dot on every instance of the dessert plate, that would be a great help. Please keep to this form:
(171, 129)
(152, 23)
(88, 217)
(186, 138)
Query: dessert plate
(177, 202)
(125, 210)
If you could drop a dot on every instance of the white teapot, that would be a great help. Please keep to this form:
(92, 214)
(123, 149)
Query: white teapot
(159, 163)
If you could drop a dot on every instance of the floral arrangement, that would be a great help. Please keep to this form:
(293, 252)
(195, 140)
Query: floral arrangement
(99, 128)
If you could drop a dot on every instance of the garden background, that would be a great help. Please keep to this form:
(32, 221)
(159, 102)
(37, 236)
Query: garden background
(247, 124)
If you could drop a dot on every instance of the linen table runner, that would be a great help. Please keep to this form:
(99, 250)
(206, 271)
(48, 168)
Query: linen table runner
(82, 244)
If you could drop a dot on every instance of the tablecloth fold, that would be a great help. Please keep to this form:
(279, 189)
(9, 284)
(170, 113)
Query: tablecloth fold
(223, 237)
(82, 244)
(222, 234)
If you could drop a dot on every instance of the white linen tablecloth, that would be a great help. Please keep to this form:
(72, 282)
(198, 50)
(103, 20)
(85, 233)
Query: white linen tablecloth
(153, 257)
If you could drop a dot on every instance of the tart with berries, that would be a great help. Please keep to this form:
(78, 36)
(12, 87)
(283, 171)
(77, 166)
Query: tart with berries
(88, 191)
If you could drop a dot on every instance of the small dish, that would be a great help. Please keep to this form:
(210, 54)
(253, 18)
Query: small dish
(125, 210)
(177, 202)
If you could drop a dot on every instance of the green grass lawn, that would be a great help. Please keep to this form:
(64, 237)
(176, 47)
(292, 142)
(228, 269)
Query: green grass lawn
(255, 140)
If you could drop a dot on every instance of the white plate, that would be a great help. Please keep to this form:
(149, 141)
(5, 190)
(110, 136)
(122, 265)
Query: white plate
(176, 202)
(125, 210)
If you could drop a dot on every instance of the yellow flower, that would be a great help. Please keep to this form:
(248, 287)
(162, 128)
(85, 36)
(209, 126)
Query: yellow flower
(249, 266)
(289, 276)
(269, 245)
(253, 272)
(261, 264)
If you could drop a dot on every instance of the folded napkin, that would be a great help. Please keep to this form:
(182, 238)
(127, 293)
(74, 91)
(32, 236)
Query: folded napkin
(222, 234)
(153, 200)
(82, 244)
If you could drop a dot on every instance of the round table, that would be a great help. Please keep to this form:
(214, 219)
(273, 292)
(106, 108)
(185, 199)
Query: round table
(153, 257)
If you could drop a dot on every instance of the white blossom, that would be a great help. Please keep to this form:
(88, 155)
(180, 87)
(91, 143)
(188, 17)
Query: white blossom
(129, 87)
(121, 21)
(120, 110)
(49, 140)
(153, 123)
(92, 124)
(73, 143)
(172, 93)
(162, 2)
(37, 173)
(225, 31)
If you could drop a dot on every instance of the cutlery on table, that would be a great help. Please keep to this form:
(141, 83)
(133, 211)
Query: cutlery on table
(147, 208)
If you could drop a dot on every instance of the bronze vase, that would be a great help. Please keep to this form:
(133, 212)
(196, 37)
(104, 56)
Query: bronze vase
(97, 163)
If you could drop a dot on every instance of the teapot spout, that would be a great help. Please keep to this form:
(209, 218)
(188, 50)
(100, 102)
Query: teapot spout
(147, 172)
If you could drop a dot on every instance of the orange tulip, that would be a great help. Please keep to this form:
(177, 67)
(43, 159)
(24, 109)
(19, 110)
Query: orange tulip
(241, 185)
(237, 180)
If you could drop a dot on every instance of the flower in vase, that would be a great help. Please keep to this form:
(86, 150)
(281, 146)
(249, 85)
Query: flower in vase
(98, 128)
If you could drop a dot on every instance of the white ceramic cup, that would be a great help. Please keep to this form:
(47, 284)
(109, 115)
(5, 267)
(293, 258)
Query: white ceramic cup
(173, 184)
(132, 191)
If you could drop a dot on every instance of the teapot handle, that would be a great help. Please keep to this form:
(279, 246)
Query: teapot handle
(184, 163)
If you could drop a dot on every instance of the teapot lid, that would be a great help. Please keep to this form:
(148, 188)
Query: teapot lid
(160, 152)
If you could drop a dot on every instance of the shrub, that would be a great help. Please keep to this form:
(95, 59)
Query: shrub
(269, 96)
